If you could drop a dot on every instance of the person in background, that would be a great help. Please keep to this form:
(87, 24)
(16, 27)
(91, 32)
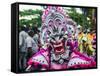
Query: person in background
(36, 36)
(30, 27)
(22, 52)
(80, 36)
(35, 28)
(31, 46)
(90, 37)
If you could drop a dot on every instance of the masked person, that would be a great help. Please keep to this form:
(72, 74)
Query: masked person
(22, 52)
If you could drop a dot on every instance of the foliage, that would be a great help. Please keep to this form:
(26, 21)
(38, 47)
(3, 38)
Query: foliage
(80, 19)
(33, 20)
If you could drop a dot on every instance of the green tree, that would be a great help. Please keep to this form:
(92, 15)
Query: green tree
(81, 18)
(32, 21)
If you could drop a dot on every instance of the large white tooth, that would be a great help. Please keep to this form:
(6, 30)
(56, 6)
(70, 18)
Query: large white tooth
(58, 45)
(55, 45)
(57, 50)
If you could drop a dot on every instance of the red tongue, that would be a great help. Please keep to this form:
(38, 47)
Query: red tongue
(59, 50)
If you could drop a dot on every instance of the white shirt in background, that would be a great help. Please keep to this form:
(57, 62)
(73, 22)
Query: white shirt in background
(22, 37)
(31, 43)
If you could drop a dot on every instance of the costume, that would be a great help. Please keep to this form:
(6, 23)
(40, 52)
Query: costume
(60, 44)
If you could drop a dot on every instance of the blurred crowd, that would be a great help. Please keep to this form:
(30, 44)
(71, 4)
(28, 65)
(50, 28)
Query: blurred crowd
(87, 41)
(29, 44)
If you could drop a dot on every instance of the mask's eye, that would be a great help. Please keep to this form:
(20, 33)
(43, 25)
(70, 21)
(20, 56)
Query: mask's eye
(63, 22)
(60, 36)
(62, 31)
(59, 23)
(52, 37)
(50, 23)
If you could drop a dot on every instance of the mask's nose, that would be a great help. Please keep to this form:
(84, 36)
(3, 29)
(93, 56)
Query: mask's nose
(57, 38)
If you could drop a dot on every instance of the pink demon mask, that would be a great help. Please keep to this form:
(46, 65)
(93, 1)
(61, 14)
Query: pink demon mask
(56, 29)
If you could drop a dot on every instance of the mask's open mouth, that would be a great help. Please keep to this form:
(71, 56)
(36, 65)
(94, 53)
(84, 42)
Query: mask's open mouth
(58, 48)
